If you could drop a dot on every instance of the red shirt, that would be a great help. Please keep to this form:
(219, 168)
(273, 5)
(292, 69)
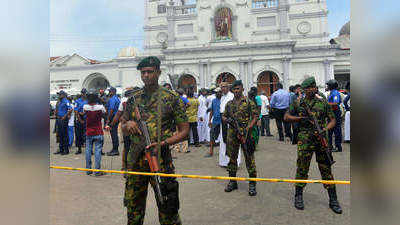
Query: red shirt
(94, 114)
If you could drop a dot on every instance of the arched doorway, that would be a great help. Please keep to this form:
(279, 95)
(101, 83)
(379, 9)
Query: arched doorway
(96, 82)
(187, 82)
(225, 77)
(267, 82)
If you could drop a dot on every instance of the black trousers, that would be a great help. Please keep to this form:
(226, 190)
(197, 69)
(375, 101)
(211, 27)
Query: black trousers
(80, 129)
(224, 132)
(62, 128)
(114, 137)
(337, 130)
(265, 125)
(193, 127)
(279, 114)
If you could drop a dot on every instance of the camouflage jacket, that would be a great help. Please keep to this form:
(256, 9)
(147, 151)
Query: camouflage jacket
(242, 112)
(172, 113)
(319, 107)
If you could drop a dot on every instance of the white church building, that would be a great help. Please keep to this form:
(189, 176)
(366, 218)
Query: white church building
(203, 42)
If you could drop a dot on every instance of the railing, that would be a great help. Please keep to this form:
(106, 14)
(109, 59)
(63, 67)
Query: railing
(256, 4)
(185, 10)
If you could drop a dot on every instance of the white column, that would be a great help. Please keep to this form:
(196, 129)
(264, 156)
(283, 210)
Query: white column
(171, 24)
(209, 78)
(120, 74)
(327, 70)
(241, 70)
(286, 72)
(201, 75)
(283, 14)
(249, 74)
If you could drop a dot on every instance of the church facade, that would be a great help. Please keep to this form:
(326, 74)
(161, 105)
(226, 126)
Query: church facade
(204, 42)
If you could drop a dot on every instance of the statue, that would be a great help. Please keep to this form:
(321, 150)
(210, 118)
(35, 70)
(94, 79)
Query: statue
(223, 24)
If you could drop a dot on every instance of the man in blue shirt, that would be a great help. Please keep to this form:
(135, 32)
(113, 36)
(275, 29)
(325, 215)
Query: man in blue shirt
(80, 121)
(279, 105)
(63, 112)
(334, 100)
(112, 109)
(215, 120)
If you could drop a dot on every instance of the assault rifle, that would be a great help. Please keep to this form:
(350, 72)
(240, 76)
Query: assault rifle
(243, 138)
(319, 134)
(152, 158)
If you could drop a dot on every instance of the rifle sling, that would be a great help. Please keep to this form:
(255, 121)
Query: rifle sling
(159, 124)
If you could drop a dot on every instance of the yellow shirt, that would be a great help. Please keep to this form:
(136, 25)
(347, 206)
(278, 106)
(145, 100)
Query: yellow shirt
(191, 110)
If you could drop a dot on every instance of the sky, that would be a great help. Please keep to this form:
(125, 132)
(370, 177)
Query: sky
(99, 29)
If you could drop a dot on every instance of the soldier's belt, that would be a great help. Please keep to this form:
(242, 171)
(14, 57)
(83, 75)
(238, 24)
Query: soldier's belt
(273, 180)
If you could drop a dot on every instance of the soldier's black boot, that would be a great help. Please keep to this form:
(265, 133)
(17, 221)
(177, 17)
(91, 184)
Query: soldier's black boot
(333, 202)
(232, 185)
(57, 152)
(298, 198)
(252, 188)
(79, 151)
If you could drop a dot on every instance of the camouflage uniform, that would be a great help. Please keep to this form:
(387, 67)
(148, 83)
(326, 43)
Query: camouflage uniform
(243, 113)
(172, 113)
(307, 142)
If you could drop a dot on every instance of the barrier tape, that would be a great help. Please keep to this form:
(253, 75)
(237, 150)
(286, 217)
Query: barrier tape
(207, 177)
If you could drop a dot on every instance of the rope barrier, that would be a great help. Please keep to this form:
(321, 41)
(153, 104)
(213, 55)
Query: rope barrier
(274, 180)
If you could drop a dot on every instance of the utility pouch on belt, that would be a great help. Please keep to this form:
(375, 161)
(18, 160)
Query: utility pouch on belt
(170, 189)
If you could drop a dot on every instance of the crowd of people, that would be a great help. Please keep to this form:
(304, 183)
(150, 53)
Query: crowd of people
(224, 116)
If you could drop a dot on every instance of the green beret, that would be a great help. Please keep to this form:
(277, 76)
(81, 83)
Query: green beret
(237, 83)
(309, 82)
(150, 61)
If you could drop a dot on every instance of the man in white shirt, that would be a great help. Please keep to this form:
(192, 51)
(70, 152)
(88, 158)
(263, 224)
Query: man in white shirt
(226, 97)
(201, 116)
(209, 100)
(264, 115)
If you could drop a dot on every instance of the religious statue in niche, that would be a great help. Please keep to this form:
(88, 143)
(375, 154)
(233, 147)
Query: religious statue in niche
(223, 24)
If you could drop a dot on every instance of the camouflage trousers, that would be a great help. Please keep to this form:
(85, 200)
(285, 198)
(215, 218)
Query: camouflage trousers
(135, 200)
(232, 151)
(180, 147)
(303, 165)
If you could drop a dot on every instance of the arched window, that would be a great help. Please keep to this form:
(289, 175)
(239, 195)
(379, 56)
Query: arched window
(223, 24)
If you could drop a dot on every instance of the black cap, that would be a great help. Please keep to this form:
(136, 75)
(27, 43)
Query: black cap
(113, 89)
(84, 91)
(62, 92)
(150, 61)
(332, 84)
(237, 83)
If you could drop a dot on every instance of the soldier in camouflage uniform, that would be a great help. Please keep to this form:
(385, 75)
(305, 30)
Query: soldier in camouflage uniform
(308, 142)
(246, 113)
(155, 102)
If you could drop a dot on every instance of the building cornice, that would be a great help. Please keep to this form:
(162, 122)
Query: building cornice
(264, 10)
(304, 36)
(85, 67)
(153, 28)
(290, 44)
(319, 14)
(314, 48)
(182, 17)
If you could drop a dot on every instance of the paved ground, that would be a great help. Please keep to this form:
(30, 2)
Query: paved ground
(78, 199)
